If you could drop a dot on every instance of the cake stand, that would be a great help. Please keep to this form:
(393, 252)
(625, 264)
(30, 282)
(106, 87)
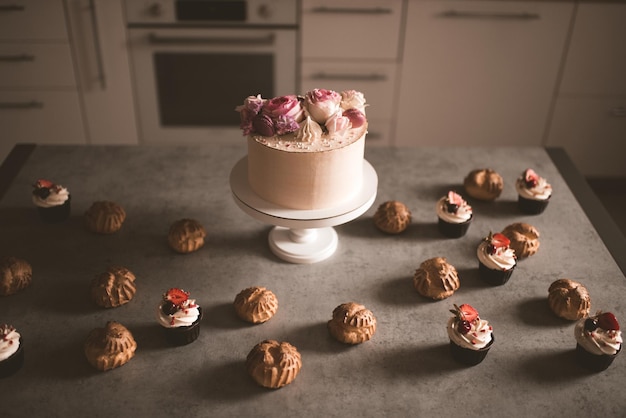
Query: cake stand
(302, 236)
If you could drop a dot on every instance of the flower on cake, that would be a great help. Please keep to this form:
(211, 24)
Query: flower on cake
(333, 112)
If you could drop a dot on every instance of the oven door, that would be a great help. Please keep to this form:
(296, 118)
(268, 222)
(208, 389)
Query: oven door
(189, 81)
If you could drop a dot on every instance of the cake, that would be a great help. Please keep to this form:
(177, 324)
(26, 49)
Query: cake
(179, 316)
(186, 236)
(436, 279)
(114, 287)
(533, 192)
(496, 259)
(598, 341)
(523, 237)
(15, 275)
(256, 304)
(305, 152)
(11, 351)
(483, 184)
(569, 299)
(352, 323)
(470, 336)
(273, 364)
(104, 217)
(392, 217)
(109, 347)
(53, 201)
(454, 215)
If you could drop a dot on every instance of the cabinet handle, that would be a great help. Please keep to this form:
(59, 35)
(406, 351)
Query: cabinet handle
(33, 104)
(490, 15)
(353, 10)
(212, 40)
(96, 44)
(618, 111)
(351, 77)
(17, 58)
(12, 8)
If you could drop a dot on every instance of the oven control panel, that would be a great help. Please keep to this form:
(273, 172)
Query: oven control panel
(212, 12)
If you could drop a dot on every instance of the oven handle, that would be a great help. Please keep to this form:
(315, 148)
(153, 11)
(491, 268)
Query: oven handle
(212, 40)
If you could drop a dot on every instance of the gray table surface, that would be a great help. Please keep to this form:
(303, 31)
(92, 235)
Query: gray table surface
(405, 370)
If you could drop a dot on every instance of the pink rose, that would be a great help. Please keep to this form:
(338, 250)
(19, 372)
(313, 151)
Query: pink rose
(352, 99)
(285, 125)
(321, 104)
(338, 125)
(357, 118)
(288, 106)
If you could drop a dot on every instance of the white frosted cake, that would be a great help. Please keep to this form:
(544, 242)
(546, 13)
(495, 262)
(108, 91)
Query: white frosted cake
(305, 152)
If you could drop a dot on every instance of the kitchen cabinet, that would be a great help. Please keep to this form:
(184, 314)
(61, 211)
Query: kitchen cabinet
(479, 72)
(589, 118)
(340, 51)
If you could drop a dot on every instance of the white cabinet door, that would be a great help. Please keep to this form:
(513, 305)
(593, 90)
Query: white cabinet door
(479, 72)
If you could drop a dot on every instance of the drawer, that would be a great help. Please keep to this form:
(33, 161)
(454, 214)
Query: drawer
(41, 117)
(35, 65)
(375, 80)
(32, 20)
(346, 29)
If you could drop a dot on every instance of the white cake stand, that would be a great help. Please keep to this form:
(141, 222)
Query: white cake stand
(302, 236)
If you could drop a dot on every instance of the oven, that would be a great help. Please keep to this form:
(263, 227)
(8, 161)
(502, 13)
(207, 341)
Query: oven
(194, 61)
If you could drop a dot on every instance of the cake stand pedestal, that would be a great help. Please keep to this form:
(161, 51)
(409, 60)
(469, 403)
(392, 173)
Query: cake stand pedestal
(302, 236)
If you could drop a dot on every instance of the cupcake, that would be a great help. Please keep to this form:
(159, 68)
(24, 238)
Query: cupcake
(179, 316)
(115, 287)
(533, 192)
(483, 184)
(352, 323)
(15, 275)
(186, 236)
(109, 347)
(470, 337)
(104, 217)
(392, 217)
(52, 201)
(436, 279)
(569, 299)
(454, 214)
(598, 341)
(496, 259)
(256, 304)
(11, 351)
(273, 364)
(524, 239)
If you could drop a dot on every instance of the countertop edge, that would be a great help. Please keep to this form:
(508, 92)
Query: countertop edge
(12, 165)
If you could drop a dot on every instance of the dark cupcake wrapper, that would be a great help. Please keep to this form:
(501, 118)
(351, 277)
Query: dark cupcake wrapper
(453, 230)
(494, 277)
(532, 207)
(56, 214)
(12, 364)
(594, 362)
(468, 356)
(184, 335)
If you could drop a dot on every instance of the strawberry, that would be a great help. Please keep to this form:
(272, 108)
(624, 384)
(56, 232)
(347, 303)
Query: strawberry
(498, 240)
(43, 183)
(176, 296)
(607, 321)
(455, 198)
(465, 312)
(531, 178)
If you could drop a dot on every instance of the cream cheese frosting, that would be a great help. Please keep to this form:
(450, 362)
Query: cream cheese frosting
(185, 316)
(461, 212)
(479, 335)
(9, 341)
(500, 259)
(599, 341)
(58, 196)
(537, 189)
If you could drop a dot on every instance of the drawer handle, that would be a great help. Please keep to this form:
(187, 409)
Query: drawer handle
(351, 77)
(17, 58)
(618, 111)
(33, 104)
(353, 10)
(466, 14)
(12, 8)
(213, 40)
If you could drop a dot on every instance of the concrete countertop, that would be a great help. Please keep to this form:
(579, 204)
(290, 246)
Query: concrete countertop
(405, 370)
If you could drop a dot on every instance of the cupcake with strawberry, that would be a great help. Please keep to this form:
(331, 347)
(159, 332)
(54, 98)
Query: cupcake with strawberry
(11, 351)
(533, 192)
(179, 316)
(470, 337)
(52, 201)
(455, 215)
(496, 259)
(598, 341)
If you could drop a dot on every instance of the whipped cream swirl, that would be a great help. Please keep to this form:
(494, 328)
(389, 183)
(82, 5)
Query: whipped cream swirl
(539, 189)
(309, 131)
(479, 335)
(501, 259)
(184, 316)
(599, 341)
(9, 341)
(460, 212)
(58, 196)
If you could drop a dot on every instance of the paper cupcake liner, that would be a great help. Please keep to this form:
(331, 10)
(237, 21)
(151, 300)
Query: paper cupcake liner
(594, 362)
(12, 364)
(452, 230)
(494, 277)
(55, 214)
(468, 356)
(184, 335)
(532, 207)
